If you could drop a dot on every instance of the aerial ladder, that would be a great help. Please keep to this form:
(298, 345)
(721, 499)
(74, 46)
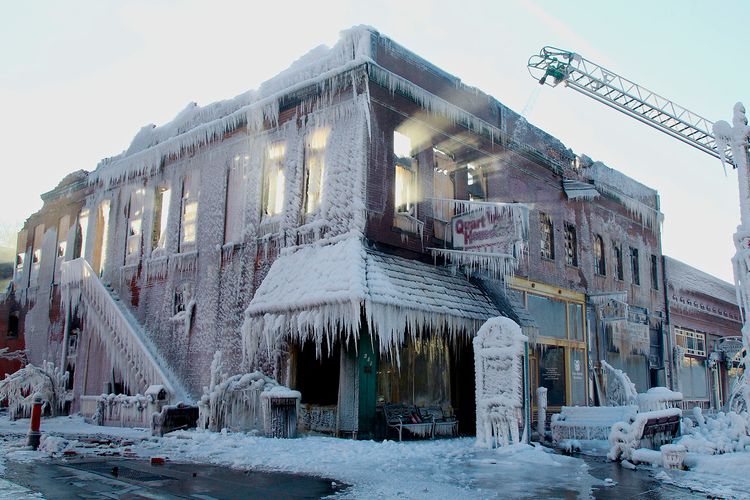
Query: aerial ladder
(728, 142)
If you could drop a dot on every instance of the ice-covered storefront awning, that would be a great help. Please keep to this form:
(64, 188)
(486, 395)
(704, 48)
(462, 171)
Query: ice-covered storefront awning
(320, 292)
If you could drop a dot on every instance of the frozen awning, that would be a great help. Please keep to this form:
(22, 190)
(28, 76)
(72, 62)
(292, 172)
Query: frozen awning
(579, 190)
(319, 292)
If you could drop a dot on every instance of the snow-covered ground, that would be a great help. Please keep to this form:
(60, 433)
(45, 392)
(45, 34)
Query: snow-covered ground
(449, 468)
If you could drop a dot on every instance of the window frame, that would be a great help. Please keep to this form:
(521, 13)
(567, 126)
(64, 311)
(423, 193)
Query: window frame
(571, 244)
(600, 260)
(546, 236)
(687, 335)
(635, 266)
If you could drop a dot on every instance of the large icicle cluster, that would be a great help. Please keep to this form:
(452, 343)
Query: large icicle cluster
(498, 358)
(326, 69)
(236, 403)
(620, 389)
(104, 317)
(18, 389)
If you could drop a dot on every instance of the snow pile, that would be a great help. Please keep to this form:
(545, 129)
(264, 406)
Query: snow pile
(498, 358)
(722, 433)
(47, 381)
(620, 390)
(237, 403)
(625, 437)
(658, 398)
(589, 422)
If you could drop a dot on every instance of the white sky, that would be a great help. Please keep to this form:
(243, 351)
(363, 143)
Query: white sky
(79, 78)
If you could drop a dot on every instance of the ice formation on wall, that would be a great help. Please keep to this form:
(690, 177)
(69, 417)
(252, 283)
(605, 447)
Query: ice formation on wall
(129, 351)
(18, 389)
(6, 353)
(498, 358)
(620, 390)
(237, 403)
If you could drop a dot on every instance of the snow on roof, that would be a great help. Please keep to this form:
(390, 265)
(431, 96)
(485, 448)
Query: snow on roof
(686, 278)
(195, 126)
(318, 292)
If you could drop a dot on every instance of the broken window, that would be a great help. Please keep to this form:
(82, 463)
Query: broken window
(162, 198)
(635, 266)
(234, 214)
(619, 271)
(36, 254)
(406, 176)
(189, 212)
(13, 325)
(600, 264)
(315, 148)
(134, 227)
(62, 244)
(571, 245)
(654, 272)
(443, 185)
(102, 235)
(546, 228)
(273, 180)
(79, 245)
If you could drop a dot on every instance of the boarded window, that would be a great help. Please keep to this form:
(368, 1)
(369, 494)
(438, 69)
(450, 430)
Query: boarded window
(571, 245)
(234, 214)
(547, 233)
(273, 180)
(600, 264)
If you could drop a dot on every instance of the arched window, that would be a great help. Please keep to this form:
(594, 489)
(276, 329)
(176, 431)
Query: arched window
(600, 265)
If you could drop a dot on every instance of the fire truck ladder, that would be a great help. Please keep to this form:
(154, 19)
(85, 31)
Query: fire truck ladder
(553, 66)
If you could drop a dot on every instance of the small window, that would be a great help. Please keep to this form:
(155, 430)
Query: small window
(13, 325)
(182, 297)
(162, 197)
(19, 261)
(315, 148)
(273, 180)
(654, 272)
(619, 267)
(406, 176)
(547, 231)
(635, 267)
(691, 341)
(571, 245)
(600, 264)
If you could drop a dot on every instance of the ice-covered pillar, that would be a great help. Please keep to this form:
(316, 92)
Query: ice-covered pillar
(735, 136)
(541, 412)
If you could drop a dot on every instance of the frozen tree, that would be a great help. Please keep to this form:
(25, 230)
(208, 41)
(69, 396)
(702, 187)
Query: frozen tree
(47, 381)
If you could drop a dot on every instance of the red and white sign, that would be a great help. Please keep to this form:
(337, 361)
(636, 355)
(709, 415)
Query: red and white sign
(483, 231)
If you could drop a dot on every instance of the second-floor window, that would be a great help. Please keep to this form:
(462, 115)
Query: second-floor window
(547, 232)
(234, 213)
(273, 180)
(315, 149)
(654, 272)
(635, 267)
(406, 176)
(79, 244)
(600, 263)
(619, 267)
(162, 197)
(36, 254)
(135, 226)
(189, 214)
(571, 245)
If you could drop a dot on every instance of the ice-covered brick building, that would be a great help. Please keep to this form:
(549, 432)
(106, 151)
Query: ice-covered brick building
(705, 334)
(346, 229)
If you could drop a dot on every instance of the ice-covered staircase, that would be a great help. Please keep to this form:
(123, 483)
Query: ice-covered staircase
(130, 350)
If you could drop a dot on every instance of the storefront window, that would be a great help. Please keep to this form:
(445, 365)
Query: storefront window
(552, 374)
(693, 382)
(549, 316)
(577, 377)
(575, 321)
(423, 378)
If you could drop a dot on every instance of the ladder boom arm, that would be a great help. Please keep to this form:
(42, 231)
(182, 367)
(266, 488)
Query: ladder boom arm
(554, 66)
